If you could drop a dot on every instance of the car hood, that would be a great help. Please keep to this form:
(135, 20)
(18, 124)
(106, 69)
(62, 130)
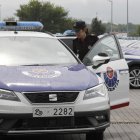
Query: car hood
(131, 48)
(47, 78)
(131, 51)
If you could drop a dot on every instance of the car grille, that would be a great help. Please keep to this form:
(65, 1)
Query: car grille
(52, 97)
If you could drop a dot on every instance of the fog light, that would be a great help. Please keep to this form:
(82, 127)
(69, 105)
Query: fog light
(100, 118)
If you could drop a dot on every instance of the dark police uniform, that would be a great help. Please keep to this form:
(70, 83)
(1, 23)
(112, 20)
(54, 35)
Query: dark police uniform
(81, 48)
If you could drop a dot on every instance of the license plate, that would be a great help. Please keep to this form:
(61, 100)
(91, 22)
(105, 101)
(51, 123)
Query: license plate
(53, 111)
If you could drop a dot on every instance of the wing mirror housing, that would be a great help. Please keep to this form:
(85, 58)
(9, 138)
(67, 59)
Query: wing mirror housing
(100, 59)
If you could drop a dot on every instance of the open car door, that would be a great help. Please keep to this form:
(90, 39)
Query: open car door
(106, 59)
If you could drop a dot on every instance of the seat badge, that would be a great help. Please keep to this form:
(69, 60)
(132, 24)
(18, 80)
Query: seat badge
(52, 97)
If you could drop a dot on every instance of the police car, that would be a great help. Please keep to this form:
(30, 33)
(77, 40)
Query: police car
(45, 88)
(131, 50)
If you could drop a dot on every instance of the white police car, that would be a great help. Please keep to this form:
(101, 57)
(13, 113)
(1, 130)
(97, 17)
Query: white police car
(44, 88)
(131, 50)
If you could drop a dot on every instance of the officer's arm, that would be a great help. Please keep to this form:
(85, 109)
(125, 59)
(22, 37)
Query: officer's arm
(96, 38)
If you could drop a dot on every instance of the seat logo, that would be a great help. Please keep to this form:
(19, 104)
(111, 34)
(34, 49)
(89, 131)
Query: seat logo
(52, 97)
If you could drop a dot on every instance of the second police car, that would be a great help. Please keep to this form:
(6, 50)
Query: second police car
(45, 88)
(131, 51)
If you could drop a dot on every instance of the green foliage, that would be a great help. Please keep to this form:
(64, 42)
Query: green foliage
(122, 28)
(9, 19)
(97, 27)
(54, 18)
(138, 30)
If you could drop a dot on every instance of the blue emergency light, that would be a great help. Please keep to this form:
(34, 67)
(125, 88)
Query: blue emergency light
(21, 26)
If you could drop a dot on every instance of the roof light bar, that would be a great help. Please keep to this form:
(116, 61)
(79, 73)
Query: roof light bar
(21, 26)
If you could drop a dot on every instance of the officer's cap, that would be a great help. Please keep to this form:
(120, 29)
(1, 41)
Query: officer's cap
(79, 25)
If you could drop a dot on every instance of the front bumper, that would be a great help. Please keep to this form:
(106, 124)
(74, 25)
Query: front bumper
(11, 124)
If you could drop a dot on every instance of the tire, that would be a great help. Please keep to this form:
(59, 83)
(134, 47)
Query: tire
(95, 135)
(134, 77)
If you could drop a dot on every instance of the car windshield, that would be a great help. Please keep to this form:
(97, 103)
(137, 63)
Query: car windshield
(33, 51)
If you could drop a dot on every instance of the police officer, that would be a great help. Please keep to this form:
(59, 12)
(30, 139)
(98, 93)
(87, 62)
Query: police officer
(84, 41)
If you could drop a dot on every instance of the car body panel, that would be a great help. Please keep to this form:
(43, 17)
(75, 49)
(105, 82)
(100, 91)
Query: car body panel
(114, 73)
(52, 78)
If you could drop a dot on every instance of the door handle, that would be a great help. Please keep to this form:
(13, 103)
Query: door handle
(124, 72)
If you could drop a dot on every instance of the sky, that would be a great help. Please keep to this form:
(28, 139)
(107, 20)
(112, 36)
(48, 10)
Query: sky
(84, 9)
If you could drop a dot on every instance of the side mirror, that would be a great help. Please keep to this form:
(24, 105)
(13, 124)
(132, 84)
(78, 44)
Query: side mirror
(100, 59)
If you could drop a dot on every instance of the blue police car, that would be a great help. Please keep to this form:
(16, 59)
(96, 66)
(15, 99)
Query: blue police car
(45, 88)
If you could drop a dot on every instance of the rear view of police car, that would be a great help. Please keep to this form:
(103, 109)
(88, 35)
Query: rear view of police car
(44, 88)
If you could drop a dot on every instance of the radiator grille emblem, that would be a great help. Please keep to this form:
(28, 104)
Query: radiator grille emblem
(52, 97)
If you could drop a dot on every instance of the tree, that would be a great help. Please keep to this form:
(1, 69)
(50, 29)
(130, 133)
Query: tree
(54, 18)
(97, 27)
(138, 30)
(9, 19)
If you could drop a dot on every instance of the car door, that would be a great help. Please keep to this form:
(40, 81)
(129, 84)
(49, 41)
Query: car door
(114, 73)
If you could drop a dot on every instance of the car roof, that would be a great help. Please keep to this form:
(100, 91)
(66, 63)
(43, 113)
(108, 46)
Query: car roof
(65, 37)
(25, 34)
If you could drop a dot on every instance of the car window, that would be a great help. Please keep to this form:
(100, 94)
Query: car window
(33, 50)
(68, 42)
(107, 45)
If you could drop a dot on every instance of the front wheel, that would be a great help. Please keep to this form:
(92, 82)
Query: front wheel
(134, 77)
(95, 135)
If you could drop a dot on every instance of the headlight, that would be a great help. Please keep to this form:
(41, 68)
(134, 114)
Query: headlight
(98, 91)
(8, 95)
